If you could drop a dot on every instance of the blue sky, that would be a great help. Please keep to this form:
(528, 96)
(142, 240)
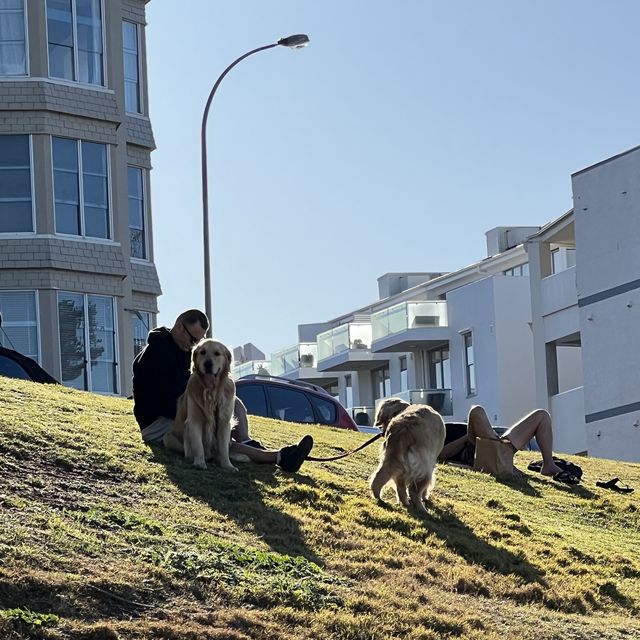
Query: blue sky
(402, 133)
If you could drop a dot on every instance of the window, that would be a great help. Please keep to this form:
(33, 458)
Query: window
(439, 369)
(290, 405)
(404, 374)
(519, 270)
(562, 258)
(137, 213)
(16, 211)
(348, 390)
(381, 382)
(13, 56)
(19, 323)
(87, 337)
(469, 364)
(81, 205)
(131, 54)
(253, 398)
(75, 40)
(141, 326)
(326, 410)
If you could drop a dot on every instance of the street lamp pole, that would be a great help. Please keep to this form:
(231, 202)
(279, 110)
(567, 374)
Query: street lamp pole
(292, 42)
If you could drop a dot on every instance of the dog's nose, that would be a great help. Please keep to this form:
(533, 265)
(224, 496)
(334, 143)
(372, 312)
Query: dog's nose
(208, 366)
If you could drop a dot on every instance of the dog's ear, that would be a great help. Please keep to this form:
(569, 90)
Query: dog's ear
(227, 361)
(194, 352)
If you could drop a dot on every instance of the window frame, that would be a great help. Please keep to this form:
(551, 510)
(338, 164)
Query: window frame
(87, 341)
(386, 382)
(27, 67)
(38, 357)
(469, 367)
(31, 186)
(74, 28)
(141, 106)
(110, 213)
(147, 325)
(145, 219)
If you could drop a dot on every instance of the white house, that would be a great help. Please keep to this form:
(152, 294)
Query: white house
(585, 297)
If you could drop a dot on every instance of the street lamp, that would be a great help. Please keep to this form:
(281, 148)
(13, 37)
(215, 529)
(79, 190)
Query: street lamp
(292, 42)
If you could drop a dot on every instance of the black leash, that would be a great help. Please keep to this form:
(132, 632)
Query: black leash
(348, 453)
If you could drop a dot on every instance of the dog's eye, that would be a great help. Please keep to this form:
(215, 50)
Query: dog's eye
(216, 353)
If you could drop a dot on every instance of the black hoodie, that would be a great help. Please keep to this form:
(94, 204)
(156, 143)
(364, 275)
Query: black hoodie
(160, 376)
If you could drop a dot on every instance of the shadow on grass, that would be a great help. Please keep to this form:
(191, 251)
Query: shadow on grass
(462, 540)
(239, 496)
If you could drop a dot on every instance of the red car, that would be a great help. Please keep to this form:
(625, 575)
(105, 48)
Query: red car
(291, 400)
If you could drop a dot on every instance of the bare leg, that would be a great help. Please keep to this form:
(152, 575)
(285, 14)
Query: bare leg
(479, 425)
(255, 455)
(240, 432)
(537, 424)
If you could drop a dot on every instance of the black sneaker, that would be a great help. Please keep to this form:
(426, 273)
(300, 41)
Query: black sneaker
(292, 457)
(254, 443)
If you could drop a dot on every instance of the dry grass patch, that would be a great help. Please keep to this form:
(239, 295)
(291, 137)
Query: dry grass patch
(104, 538)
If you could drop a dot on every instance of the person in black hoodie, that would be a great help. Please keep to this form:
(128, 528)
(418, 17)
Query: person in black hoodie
(160, 376)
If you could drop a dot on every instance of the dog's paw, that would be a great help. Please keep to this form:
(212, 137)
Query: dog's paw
(200, 464)
(230, 467)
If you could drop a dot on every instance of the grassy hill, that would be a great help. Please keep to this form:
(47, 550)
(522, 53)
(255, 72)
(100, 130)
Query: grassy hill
(102, 537)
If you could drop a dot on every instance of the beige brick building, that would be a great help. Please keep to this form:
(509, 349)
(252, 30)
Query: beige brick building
(78, 285)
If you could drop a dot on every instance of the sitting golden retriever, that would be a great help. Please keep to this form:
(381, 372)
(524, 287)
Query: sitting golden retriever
(204, 417)
(413, 438)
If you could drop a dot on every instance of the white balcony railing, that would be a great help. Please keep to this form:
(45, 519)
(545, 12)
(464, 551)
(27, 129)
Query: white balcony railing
(408, 315)
(302, 355)
(346, 337)
(262, 367)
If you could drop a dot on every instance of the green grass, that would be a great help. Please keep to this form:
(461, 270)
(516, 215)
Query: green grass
(103, 538)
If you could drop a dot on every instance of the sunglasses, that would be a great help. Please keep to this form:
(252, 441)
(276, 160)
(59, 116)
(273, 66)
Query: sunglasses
(192, 338)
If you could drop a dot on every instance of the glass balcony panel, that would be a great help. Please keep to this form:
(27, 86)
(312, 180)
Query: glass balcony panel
(325, 345)
(427, 314)
(262, 367)
(344, 338)
(308, 354)
(360, 336)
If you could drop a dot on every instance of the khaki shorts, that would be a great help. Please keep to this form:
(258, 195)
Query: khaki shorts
(154, 433)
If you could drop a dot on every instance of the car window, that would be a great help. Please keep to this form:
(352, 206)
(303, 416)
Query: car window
(290, 405)
(325, 409)
(254, 399)
(12, 369)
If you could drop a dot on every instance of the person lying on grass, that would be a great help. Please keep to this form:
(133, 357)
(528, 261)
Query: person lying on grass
(160, 376)
(461, 437)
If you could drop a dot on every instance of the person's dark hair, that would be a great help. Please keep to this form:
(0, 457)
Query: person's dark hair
(192, 316)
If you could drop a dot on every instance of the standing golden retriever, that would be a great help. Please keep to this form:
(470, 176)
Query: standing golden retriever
(413, 438)
(204, 417)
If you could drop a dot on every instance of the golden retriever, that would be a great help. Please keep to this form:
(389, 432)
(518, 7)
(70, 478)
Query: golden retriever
(204, 417)
(413, 438)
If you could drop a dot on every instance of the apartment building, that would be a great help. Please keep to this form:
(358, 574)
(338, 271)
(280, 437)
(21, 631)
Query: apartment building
(447, 339)
(78, 284)
(585, 296)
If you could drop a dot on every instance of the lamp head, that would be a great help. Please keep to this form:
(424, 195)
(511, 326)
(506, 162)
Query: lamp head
(295, 42)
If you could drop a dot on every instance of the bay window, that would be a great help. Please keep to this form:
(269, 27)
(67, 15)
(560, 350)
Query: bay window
(81, 188)
(74, 29)
(13, 52)
(16, 209)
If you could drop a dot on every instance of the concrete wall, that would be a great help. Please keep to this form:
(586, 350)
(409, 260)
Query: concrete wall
(607, 221)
